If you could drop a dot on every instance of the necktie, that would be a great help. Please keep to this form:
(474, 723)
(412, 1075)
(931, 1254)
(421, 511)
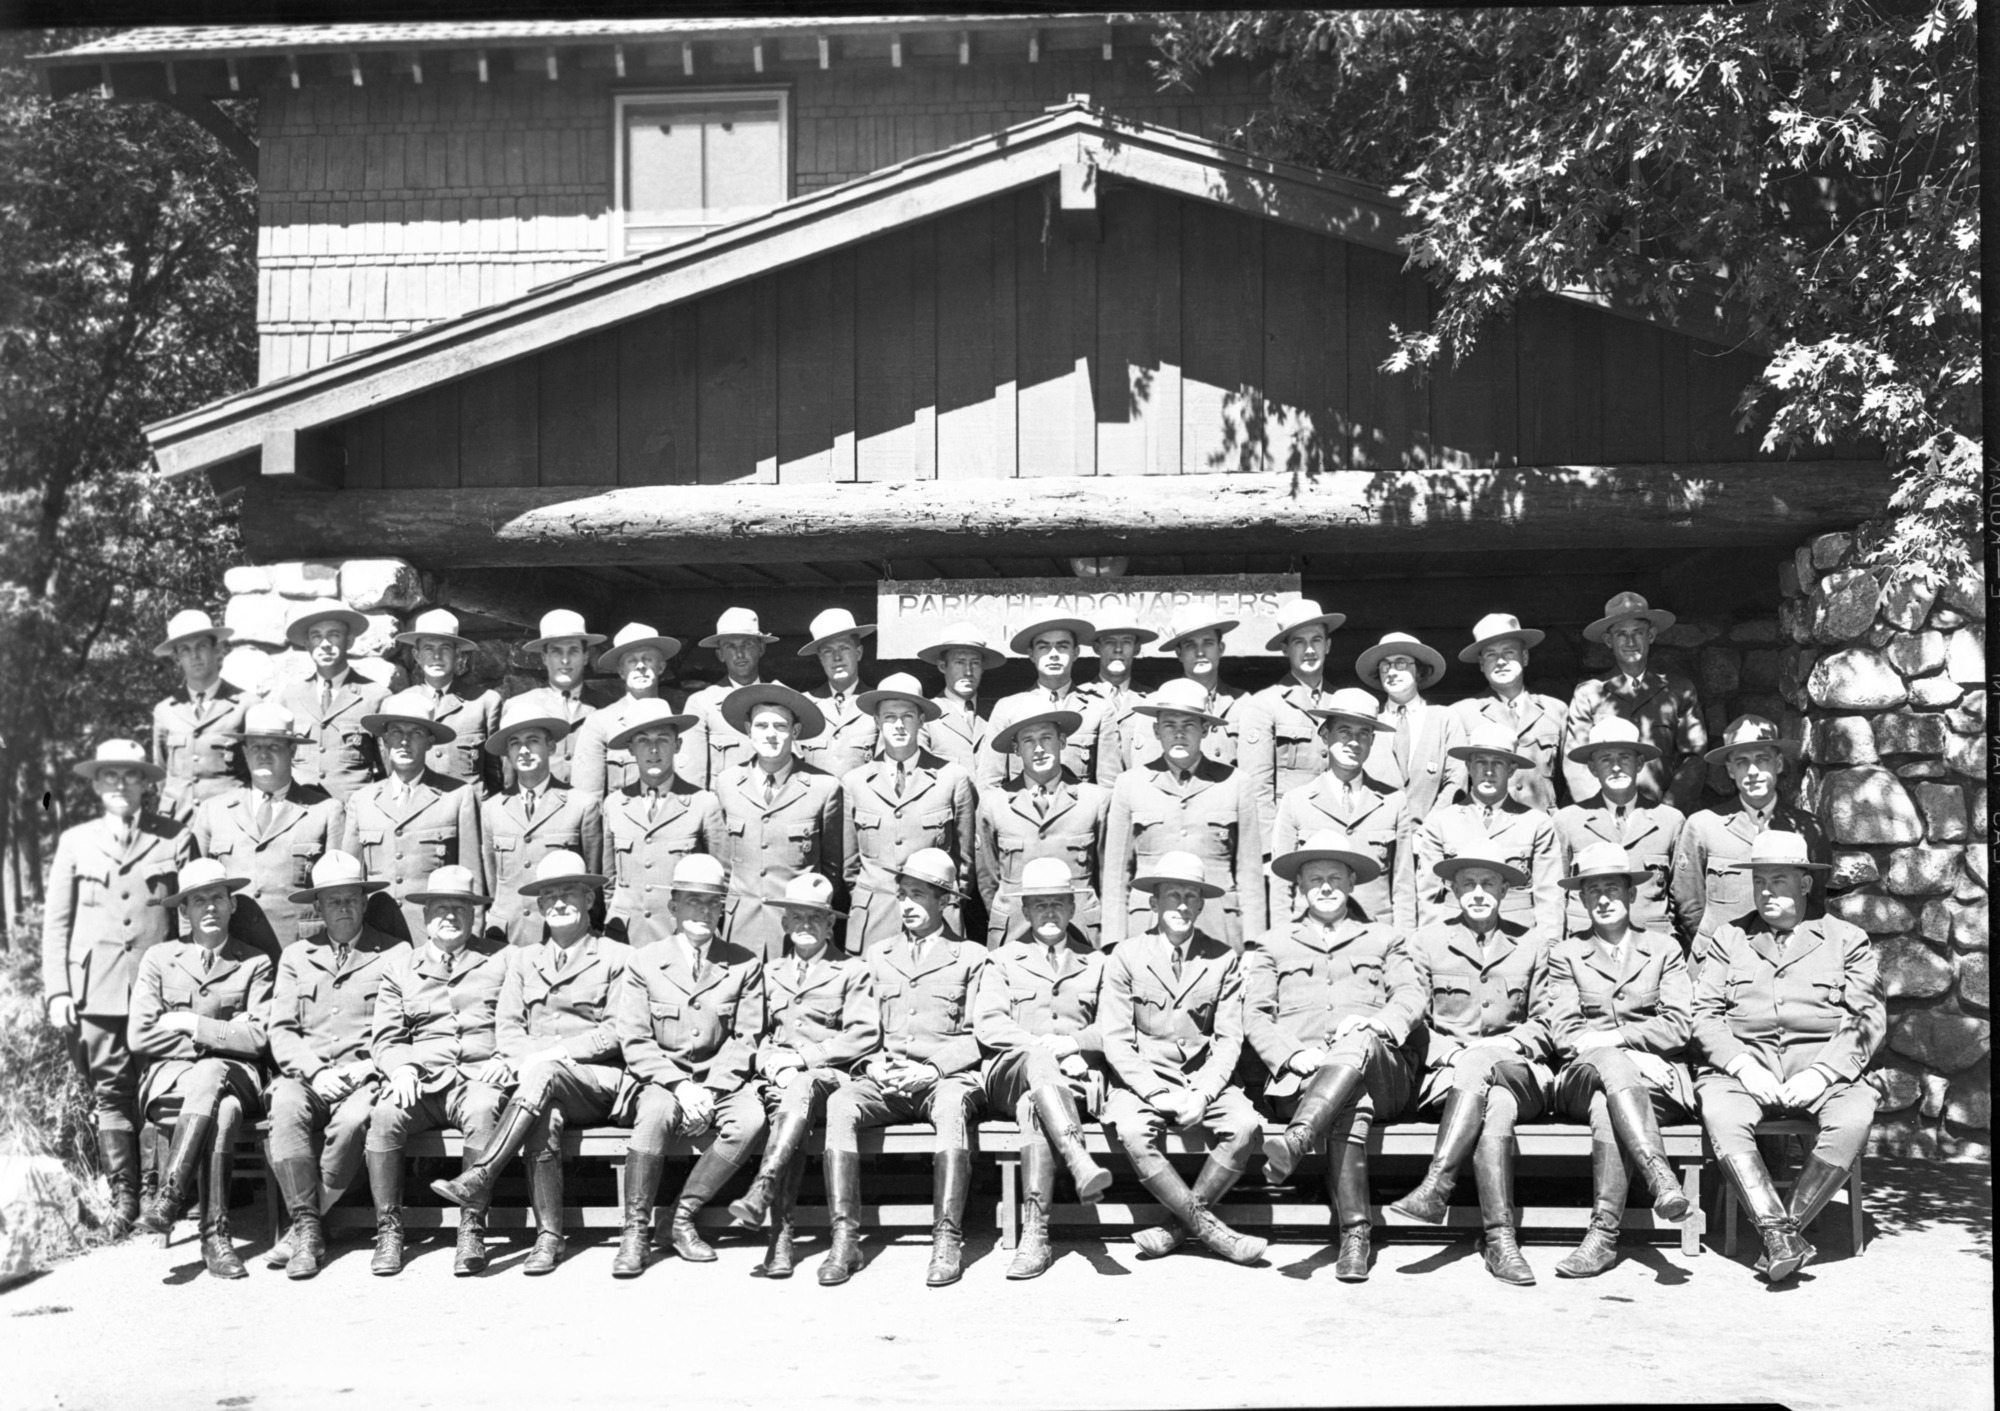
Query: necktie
(770, 789)
(1403, 739)
(528, 803)
(325, 694)
(1177, 962)
(1486, 817)
(652, 804)
(339, 958)
(450, 961)
(1041, 803)
(207, 960)
(262, 817)
(799, 974)
(562, 959)
(694, 962)
(902, 778)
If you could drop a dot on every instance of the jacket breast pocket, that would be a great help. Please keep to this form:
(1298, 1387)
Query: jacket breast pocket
(352, 751)
(93, 886)
(1296, 749)
(304, 855)
(437, 846)
(177, 996)
(1728, 886)
(1451, 999)
(801, 841)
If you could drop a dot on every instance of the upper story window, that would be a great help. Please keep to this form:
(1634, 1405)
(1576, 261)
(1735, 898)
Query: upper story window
(688, 162)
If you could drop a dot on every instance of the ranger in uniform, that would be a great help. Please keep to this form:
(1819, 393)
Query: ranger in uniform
(1052, 647)
(1648, 833)
(1196, 636)
(1500, 647)
(1042, 814)
(639, 656)
(846, 737)
(653, 822)
(534, 816)
(330, 700)
(1346, 798)
(1414, 753)
(780, 815)
(1279, 748)
(1662, 704)
(713, 744)
(100, 918)
(405, 827)
(1493, 821)
(1116, 642)
(194, 728)
(960, 731)
(563, 646)
(440, 654)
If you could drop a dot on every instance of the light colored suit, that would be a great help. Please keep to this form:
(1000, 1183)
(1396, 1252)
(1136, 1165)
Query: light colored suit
(1011, 835)
(512, 843)
(1537, 733)
(278, 858)
(765, 845)
(882, 828)
(472, 721)
(341, 754)
(1211, 814)
(194, 747)
(645, 839)
(404, 835)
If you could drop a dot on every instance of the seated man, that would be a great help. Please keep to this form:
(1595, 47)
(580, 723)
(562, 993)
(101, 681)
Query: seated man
(535, 815)
(653, 822)
(327, 1079)
(1172, 1022)
(557, 1043)
(1329, 1003)
(1041, 814)
(688, 1019)
(1619, 1000)
(925, 1071)
(1488, 1048)
(434, 1038)
(414, 821)
(1037, 1015)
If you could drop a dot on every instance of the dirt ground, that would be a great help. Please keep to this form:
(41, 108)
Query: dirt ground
(1907, 1324)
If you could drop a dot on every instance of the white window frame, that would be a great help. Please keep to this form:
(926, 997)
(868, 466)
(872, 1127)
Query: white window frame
(621, 101)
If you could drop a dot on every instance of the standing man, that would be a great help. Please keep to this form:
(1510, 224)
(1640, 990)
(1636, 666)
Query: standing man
(1052, 646)
(960, 731)
(1195, 637)
(846, 738)
(638, 655)
(1662, 704)
(102, 916)
(1118, 639)
(780, 816)
(330, 700)
(534, 816)
(1648, 833)
(653, 822)
(1042, 814)
(1493, 822)
(327, 1083)
(440, 655)
(271, 831)
(1172, 1025)
(1183, 802)
(1500, 647)
(405, 827)
(688, 1020)
(1354, 803)
(712, 744)
(563, 646)
(1280, 748)
(903, 801)
(1414, 754)
(194, 728)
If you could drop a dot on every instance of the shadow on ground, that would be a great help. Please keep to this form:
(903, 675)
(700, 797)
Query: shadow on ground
(1906, 1195)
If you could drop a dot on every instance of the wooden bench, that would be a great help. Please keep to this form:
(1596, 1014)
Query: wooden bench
(1788, 1130)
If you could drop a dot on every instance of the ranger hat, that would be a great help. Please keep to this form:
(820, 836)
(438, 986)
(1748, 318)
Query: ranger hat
(1477, 856)
(737, 622)
(1498, 627)
(1182, 867)
(519, 714)
(1067, 723)
(652, 714)
(439, 623)
(199, 874)
(1116, 617)
(1193, 618)
(932, 865)
(1613, 732)
(631, 637)
(1179, 696)
(961, 634)
(834, 622)
(1047, 877)
(1621, 607)
(1399, 644)
(806, 892)
(1774, 847)
(440, 733)
(1602, 860)
(118, 754)
(267, 720)
(1327, 845)
(343, 869)
(1351, 703)
(327, 610)
(899, 686)
(559, 868)
(1084, 632)
(1303, 613)
(1748, 730)
(699, 873)
(452, 883)
(739, 703)
(186, 625)
(562, 625)
(1492, 739)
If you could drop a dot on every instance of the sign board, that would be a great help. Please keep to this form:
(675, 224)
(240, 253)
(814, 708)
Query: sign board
(912, 615)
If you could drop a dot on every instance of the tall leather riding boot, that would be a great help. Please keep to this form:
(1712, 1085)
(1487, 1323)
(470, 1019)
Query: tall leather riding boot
(843, 1196)
(1458, 1133)
(778, 1248)
(1638, 1129)
(712, 1170)
(1493, 1169)
(385, 1188)
(179, 1174)
(218, 1251)
(642, 1189)
(1598, 1250)
(787, 1136)
(298, 1187)
(1055, 1109)
(1038, 1191)
(1784, 1250)
(1326, 1093)
(474, 1185)
(1349, 1181)
(1818, 1183)
(545, 1193)
(152, 1157)
(119, 1153)
(469, 1257)
(951, 1178)
(1211, 1184)
(1191, 1209)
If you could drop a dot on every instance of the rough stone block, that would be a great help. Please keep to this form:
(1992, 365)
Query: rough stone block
(1760, 670)
(310, 579)
(1965, 656)
(1757, 630)
(1923, 769)
(1802, 567)
(1856, 678)
(1911, 969)
(377, 668)
(257, 619)
(1966, 596)
(1909, 732)
(1969, 716)
(1922, 871)
(1966, 754)
(1879, 636)
(1978, 824)
(1844, 605)
(1916, 653)
(1934, 1086)
(1971, 924)
(1856, 867)
(1687, 635)
(1936, 923)
(1971, 979)
(1900, 1085)
(245, 578)
(1940, 1040)
(1788, 579)
(380, 638)
(1753, 703)
(1868, 805)
(1943, 808)
(1795, 668)
(1946, 619)
(1872, 912)
(248, 668)
(1718, 670)
(1830, 550)
(1906, 600)
(1968, 1101)
(371, 585)
(1935, 692)
(1795, 620)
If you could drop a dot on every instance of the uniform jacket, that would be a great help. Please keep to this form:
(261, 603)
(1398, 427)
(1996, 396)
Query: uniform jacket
(474, 722)
(711, 744)
(926, 1003)
(1027, 991)
(576, 707)
(641, 852)
(230, 1003)
(321, 1017)
(441, 1024)
(512, 843)
(957, 735)
(1164, 1032)
(191, 745)
(1212, 815)
(1301, 980)
(342, 755)
(678, 1025)
(1011, 836)
(1138, 746)
(1090, 753)
(277, 859)
(1819, 1005)
(879, 830)
(1504, 993)
(540, 1008)
(1372, 816)
(1649, 833)
(1428, 777)
(1279, 748)
(1121, 723)
(847, 741)
(1668, 714)
(596, 768)
(403, 841)
(766, 845)
(1707, 892)
(829, 1017)
(1648, 1001)
(1525, 837)
(100, 913)
(1539, 737)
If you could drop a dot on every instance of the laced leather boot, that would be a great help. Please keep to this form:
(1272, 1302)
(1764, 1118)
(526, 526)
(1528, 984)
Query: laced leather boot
(298, 1187)
(1038, 1190)
(843, 1196)
(1055, 1109)
(642, 1188)
(1190, 1208)
(1598, 1249)
(781, 1149)
(951, 1178)
(118, 1150)
(218, 1250)
(1785, 1253)
(545, 1193)
(469, 1257)
(1818, 1183)
(1349, 1182)
(474, 1185)
(179, 1174)
(1326, 1093)
(778, 1261)
(712, 1170)
(1458, 1133)
(1493, 1169)
(1638, 1129)
(385, 1188)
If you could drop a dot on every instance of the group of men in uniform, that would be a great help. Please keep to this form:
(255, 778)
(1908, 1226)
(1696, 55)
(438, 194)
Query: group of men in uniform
(740, 915)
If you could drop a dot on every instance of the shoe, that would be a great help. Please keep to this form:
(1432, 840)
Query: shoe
(778, 1256)
(118, 1152)
(635, 1236)
(218, 1249)
(1598, 1250)
(951, 1178)
(1785, 1253)
(1350, 1205)
(1033, 1255)
(178, 1177)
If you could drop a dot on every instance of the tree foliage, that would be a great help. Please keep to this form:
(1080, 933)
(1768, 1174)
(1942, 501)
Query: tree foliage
(128, 240)
(1814, 163)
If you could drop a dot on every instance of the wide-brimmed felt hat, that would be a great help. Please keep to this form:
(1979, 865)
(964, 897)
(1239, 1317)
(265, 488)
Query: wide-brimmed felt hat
(737, 622)
(630, 638)
(118, 754)
(453, 883)
(201, 873)
(562, 625)
(559, 868)
(699, 873)
(1622, 606)
(1047, 877)
(1499, 627)
(1327, 845)
(1181, 697)
(1303, 613)
(188, 624)
(1067, 723)
(899, 686)
(1491, 739)
(1193, 618)
(806, 892)
(834, 622)
(440, 733)
(961, 634)
(519, 714)
(1116, 617)
(737, 706)
(1476, 856)
(1353, 704)
(1613, 732)
(651, 714)
(326, 610)
(932, 865)
(1748, 730)
(267, 720)
(342, 869)
(1399, 644)
(1775, 847)
(440, 623)
(1083, 630)
(1182, 867)
(1602, 860)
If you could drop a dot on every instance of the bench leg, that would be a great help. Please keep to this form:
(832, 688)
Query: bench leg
(1691, 1229)
(1010, 1200)
(1855, 1212)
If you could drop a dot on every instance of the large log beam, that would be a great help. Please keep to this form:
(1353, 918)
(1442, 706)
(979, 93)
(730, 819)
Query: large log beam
(1541, 507)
